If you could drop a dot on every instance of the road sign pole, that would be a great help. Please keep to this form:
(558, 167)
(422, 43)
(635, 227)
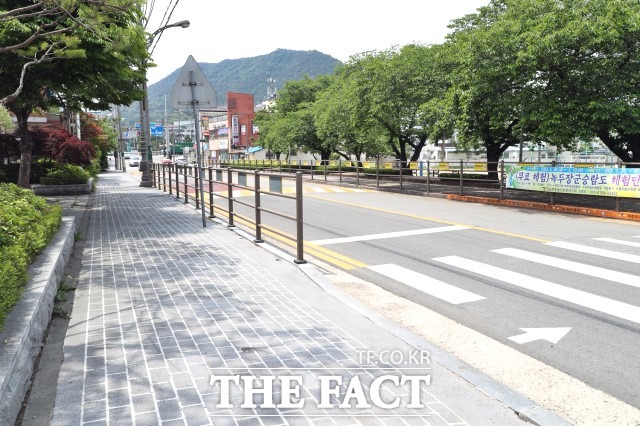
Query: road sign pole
(192, 87)
(194, 102)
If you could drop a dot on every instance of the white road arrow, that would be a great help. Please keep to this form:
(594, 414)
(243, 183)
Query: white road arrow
(553, 334)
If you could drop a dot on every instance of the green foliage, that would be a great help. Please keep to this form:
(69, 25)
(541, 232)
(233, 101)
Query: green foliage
(67, 174)
(6, 124)
(27, 224)
(291, 126)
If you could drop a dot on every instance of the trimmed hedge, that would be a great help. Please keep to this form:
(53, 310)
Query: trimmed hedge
(27, 224)
(66, 175)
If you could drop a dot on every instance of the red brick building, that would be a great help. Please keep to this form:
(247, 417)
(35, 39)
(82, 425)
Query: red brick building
(229, 132)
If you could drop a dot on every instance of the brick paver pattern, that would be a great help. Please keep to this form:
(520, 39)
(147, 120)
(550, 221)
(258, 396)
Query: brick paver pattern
(171, 303)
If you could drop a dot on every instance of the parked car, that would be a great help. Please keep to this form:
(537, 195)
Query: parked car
(181, 161)
(134, 161)
(166, 161)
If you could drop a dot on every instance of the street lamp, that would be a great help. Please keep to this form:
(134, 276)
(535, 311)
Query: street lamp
(145, 119)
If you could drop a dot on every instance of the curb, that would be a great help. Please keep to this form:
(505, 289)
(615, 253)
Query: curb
(558, 208)
(53, 190)
(524, 408)
(21, 340)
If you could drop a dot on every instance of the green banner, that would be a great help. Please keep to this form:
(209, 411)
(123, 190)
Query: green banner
(609, 182)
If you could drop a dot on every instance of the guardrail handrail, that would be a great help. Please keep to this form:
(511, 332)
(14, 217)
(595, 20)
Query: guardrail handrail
(161, 171)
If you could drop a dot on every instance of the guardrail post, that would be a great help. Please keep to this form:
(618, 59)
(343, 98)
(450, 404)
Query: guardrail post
(170, 183)
(164, 178)
(211, 213)
(258, 215)
(461, 179)
(502, 177)
(186, 192)
(400, 163)
(196, 175)
(428, 176)
(299, 221)
(230, 196)
(177, 183)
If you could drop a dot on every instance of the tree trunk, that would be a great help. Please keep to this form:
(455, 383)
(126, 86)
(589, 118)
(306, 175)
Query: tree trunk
(623, 147)
(494, 152)
(26, 148)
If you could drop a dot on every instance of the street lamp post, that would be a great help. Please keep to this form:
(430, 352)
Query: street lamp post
(145, 119)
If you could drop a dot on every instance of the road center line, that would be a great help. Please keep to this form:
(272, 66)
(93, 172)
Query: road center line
(428, 219)
(426, 284)
(568, 294)
(388, 235)
(568, 265)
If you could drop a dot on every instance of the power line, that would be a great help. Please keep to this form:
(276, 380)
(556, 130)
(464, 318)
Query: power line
(164, 22)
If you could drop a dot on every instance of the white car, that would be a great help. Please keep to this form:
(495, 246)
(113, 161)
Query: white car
(134, 161)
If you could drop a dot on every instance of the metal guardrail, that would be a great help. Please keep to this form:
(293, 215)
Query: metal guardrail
(185, 182)
(466, 176)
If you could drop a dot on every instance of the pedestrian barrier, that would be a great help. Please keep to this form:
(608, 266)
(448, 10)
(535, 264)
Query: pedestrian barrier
(185, 182)
(501, 180)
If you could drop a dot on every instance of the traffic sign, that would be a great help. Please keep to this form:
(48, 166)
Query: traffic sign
(192, 77)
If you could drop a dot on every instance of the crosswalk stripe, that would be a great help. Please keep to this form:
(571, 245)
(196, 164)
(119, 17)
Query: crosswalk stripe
(388, 235)
(426, 284)
(581, 268)
(621, 242)
(568, 294)
(596, 251)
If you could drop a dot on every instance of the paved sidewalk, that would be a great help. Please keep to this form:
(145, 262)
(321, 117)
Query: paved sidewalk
(163, 304)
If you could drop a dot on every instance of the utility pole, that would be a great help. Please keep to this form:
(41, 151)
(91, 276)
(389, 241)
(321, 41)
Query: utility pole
(120, 141)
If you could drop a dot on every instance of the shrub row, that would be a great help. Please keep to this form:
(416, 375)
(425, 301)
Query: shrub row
(27, 224)
(66, 175)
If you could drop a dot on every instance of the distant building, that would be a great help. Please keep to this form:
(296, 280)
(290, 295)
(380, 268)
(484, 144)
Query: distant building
(228, 133)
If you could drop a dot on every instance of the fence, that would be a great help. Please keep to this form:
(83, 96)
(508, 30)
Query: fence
(469, 177)
(184, 182)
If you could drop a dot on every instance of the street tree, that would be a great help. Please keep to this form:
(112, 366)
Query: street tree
(107, 66)
(44, 30)
(392, 87)
(293, 119)
(339, 119)
(584, 60)
(487, 94)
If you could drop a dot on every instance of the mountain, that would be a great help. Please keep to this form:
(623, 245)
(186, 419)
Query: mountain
(245, 75)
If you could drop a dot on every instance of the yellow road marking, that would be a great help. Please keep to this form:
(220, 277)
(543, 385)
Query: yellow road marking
(321, 253)
(346, 262)
(432, 219)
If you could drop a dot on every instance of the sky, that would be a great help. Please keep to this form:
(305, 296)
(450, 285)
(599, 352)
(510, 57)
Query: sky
(222, 30)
